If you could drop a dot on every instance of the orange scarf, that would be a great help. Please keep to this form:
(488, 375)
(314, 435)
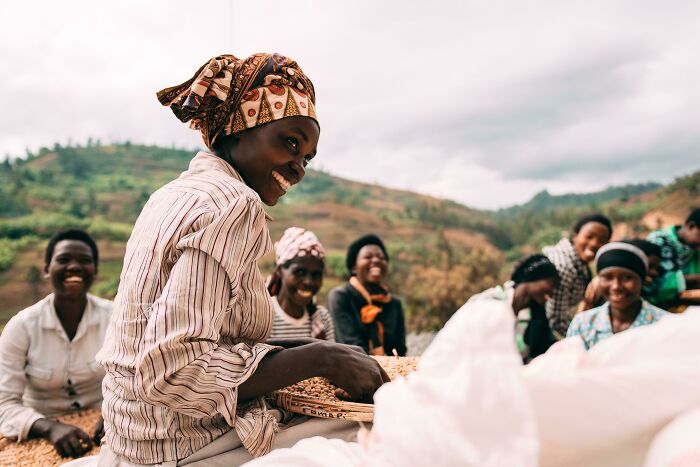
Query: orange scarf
(369, 313)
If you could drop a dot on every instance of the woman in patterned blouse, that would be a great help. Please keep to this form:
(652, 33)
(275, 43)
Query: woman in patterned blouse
(622, 268)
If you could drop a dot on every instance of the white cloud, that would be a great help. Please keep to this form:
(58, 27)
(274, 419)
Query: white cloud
(482, 102)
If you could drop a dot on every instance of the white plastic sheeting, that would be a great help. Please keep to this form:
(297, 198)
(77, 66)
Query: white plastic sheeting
(472, 403)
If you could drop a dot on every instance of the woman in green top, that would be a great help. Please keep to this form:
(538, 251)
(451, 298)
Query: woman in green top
(680, 259)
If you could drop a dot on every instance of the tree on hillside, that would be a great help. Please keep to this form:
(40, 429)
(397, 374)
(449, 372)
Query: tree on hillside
(74, 163)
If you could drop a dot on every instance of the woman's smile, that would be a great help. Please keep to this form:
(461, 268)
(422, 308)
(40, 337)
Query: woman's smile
(305, 294)
(282, 181)
(73, 282)
(375, 272)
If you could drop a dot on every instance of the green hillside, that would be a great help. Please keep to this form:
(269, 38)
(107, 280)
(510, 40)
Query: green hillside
(441, 252)
(102, 189)
(634, 209)
(545, 201)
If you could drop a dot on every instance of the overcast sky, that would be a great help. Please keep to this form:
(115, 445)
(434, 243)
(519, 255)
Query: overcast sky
(483, 102)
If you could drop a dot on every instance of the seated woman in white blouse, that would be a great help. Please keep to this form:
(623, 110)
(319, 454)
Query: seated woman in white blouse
(47, 351)
(297, 279)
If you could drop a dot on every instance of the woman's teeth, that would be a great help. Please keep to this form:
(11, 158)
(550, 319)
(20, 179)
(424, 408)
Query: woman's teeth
(74, 279)
(283, 182)
(305, 293)
(375, 271)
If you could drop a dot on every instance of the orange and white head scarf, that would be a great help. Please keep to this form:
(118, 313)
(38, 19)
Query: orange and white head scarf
(298, 242)
(228, 95)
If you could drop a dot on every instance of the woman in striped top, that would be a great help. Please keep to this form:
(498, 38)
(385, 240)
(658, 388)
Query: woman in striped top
(185, 355)
(293, 286)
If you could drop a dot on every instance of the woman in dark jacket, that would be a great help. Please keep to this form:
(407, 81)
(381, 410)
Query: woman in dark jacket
(363, 310)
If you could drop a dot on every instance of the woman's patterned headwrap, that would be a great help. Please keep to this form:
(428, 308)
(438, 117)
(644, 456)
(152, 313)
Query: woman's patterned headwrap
(228, 95)
(295, 242)
(298, 242)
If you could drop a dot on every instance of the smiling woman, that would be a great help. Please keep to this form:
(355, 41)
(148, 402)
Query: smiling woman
(571, 257)
(294, 284)
(622, 268)
(186, 357)
(364, 312)
(47, 351)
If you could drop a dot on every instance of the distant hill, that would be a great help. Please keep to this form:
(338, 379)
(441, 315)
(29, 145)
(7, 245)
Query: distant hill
(103, 188)
(634, 210)
(544, 200)
(441, 252)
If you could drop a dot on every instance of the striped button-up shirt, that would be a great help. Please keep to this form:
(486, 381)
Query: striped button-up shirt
(190, 320)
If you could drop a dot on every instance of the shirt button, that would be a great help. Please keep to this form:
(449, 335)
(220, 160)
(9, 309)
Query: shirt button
(71, 392)
(76, 405)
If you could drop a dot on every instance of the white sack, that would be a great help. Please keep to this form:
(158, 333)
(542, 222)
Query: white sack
(465, 405)
(602, 407)
(472, 403)
(677, 445)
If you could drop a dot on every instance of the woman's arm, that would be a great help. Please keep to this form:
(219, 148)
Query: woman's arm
(68, 440)
(591, 296)
(692, 281)
(15, 419)
(348, 369)
(183, 367)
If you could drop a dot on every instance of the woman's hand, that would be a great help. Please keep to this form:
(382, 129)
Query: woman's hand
(590, 296)
(99, 431)
(356, 374)
(68, 440)
(347, 366)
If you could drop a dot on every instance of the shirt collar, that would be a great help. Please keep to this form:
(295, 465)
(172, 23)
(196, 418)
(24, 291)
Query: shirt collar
(601, 321)
(602, 324)
(205, 161)
(49, 319)
(283, 314)
(647, 314)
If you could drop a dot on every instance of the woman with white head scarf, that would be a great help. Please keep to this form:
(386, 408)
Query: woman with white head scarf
(297, 279)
